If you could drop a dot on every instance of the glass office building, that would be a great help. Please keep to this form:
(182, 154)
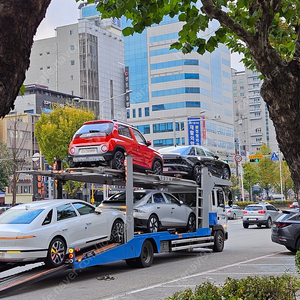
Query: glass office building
(179, 99)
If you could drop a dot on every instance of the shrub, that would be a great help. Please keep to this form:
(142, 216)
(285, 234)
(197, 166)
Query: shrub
(249, 288)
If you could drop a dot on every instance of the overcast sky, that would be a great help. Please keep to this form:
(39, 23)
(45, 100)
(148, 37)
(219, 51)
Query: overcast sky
(64, 12)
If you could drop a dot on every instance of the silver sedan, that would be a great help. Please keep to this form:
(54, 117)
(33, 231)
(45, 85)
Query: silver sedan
(155, 210)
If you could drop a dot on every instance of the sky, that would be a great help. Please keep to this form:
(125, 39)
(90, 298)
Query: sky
(65, 12)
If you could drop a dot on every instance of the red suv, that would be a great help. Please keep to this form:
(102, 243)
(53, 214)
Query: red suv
(105, 143)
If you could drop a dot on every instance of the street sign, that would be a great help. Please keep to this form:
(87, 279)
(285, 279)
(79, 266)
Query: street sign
(238, 158)
(274, 157)
(258, 156)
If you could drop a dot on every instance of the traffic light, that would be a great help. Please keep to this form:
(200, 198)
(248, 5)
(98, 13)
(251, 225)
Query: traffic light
(255, 158)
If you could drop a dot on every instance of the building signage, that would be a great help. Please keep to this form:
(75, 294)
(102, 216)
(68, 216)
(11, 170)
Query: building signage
(194, 131)
(258, 156)
(126, 80)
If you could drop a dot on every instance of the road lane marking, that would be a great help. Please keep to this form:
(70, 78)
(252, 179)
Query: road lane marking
(194, 275)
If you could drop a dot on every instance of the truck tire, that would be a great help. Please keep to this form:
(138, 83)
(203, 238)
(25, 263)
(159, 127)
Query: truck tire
(218, 241)
(146, 257)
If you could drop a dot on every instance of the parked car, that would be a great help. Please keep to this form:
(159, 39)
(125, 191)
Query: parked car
(286, 230)
(105, 143)
(294, 205)
(155, 210)
(234, 211)
(43, 230)
(263, 213)
(3, 209)
(188, 160)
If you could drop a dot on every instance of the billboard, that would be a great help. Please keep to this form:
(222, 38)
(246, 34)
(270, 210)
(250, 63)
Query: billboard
(194, 131)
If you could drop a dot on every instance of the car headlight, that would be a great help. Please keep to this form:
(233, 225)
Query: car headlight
(140, 211)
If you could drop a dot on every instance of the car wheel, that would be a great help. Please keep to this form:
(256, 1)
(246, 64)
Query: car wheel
(269, 223)
(191, 224)
(218, 241)
(258, 225)
(245, 225)
(197, 174)
(146, 257)
(118, 160)
(56, 253)
(72, 164)
(117, 232)
(234, 216)
(226, 174)
(157, 167)
(153, 224)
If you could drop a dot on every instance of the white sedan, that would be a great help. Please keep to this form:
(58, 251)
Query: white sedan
(44, 230)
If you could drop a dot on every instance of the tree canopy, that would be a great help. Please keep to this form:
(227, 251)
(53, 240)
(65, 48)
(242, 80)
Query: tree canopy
(54, 131)
(266, 32)
(6, 166)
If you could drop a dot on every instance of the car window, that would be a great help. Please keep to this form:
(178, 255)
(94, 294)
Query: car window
(139, 137)
(213, 198)
(270, 207)
(94, 129)
(84, 209)
(236, 207)
(19, 216)
(209, 153)
(200, 151)
(171, 199)
(65, 211)
(158, 198)
(48, 218)
(221, 199)
(192, 151)
(254, 208)
(124, 131)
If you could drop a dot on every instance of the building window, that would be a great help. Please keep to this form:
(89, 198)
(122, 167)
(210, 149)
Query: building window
(140, 112)
(72, 77)
(145, 129)
(41, 54)
(72, 47)
(242, 94)
(72, 62)
(128, 114)
(234, 81)
(48, 67)
(147, 112)
(241, 87)
(48, 81)
(41, 68)
(48, 52)
(72, 32)
(133, 113)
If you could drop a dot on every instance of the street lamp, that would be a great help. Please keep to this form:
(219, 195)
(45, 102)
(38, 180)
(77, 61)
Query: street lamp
(101, 102)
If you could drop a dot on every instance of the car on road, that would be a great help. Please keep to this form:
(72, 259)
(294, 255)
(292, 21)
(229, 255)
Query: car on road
(188, 161)
(44, 230)
(234, 211)
(294, 205)
(104, 143)
(286, 230)
(154, 210)
(260, 214)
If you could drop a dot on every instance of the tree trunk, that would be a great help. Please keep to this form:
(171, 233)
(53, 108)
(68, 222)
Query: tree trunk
(19, 21)
(282, 98)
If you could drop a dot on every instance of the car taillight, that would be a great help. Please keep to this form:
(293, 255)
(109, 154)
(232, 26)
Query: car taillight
(261, 211)
(229, 211)
(291, 205)
(104, 148)
(282, 225)
(72, 150)
(244, 211)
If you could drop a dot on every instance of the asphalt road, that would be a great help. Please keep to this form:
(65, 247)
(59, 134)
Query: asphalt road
(247, 252)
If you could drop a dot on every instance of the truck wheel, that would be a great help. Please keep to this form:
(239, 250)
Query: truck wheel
(153, 224)
(117, 232)
(269, 223)
(191, 224)
(56, 253)
(146, 257)
(218, 241)
(118, 161)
